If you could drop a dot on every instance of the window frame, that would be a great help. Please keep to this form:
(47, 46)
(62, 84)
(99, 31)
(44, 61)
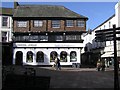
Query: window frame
(29, 59)
(69, 23)
(75, 56)
(80, 23)
(6, 22)
(20, 24)
(40, 59)
(37, 23)
(65, 54)
(54, 24)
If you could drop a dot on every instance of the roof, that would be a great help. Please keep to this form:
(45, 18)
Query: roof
(6, 11)
(45, 11)
(105, 21)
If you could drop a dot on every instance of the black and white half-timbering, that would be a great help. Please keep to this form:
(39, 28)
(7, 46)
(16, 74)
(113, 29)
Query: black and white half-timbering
(43, 53)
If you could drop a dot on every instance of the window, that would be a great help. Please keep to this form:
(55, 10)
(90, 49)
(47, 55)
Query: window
(24, 38)
(80, 23)
(73, 37)
(19, 58)
(104, 26)
(63, 56)
(22, 23)
(69, 23)
(29, 57)
(109, 24)
(4, 36)
(43, 38)
(59, 38)
(40, 56)
(38, 23)
(4, 21)
(33, 38)
(73, 56)
(55, 23)
(53, 54)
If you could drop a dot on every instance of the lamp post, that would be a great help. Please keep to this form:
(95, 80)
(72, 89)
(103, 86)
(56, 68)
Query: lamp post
(116, 78)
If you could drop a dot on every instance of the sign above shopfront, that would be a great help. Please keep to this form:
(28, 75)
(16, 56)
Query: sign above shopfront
(46, 45)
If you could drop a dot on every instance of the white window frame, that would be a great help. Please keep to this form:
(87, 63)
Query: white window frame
(4, 21)
(55, 23)
(21, 23)
(69, 23)
(80, 23)
(38, 23)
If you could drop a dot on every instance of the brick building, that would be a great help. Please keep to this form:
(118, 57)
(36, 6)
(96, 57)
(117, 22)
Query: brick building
(41, 32)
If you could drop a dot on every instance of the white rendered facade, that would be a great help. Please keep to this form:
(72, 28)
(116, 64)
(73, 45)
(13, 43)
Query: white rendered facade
(5, 29)
(114, 20)
(47, 48)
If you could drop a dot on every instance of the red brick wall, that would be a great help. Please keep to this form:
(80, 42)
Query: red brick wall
(20, 29)
(47, 25)
(37, 29)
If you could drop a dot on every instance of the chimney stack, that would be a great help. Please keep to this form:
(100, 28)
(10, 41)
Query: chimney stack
(15, 4)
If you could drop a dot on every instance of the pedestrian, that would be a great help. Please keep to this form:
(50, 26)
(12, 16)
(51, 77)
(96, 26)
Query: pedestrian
(98, 65)
(58, 64)
(103, 65)
(55, 63)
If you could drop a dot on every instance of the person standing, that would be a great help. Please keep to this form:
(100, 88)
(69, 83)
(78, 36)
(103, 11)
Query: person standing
(98, 65)
(58, 64)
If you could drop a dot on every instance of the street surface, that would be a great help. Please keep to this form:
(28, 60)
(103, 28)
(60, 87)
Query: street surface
(69, 77)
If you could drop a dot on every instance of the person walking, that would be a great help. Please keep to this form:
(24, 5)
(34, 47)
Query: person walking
(58, 64)
(103, 65)
(98, 65)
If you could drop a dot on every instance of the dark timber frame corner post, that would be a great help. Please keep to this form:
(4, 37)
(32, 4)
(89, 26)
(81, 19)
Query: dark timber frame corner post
(116, 78)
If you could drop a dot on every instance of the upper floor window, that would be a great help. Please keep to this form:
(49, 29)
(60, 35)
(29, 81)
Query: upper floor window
(5, 21)
(109, 24)
(80, 23)
(104, 26)
(69, 23)
(55, 23)
(22, 23)
(38, 23)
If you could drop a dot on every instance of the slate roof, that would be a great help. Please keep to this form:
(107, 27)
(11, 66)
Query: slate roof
(45, 11)
(6, 11)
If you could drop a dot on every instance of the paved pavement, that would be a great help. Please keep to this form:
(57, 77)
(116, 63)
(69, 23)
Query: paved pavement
(75, 77)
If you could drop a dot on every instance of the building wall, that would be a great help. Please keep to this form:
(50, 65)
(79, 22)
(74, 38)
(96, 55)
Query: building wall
(47, 26)
(36, 29)
(46, 49)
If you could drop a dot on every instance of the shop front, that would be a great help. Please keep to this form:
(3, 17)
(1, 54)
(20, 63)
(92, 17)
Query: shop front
(44, 53)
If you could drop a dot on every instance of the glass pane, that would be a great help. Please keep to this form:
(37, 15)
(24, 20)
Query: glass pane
(4, 21)
(22, 24)
(29, 57)
(38, 23)
(63, 56)
(53, 54)
(40, 56)
(73, 56)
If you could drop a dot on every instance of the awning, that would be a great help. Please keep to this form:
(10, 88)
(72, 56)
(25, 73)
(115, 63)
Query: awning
(108, 54)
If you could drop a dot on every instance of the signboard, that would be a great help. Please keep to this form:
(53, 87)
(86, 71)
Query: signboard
(48, 45)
